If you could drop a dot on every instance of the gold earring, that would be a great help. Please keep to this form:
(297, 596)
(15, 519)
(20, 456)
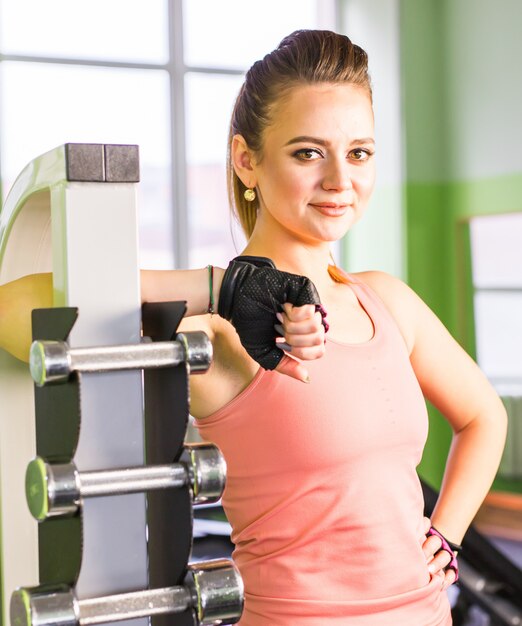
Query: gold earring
(249, 195)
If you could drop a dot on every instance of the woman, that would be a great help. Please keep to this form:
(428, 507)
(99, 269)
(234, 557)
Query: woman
(322, 492)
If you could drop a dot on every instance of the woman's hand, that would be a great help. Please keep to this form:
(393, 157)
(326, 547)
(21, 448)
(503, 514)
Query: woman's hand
(302, 334)
(253, 293)
(437, 562)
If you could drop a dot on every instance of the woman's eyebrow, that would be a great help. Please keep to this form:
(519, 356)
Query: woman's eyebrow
(323, 142)
(364, 140)
(307, 139)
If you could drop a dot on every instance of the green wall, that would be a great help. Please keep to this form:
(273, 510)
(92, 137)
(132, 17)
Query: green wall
(462, 98)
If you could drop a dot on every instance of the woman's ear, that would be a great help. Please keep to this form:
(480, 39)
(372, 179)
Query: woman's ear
(243, 161)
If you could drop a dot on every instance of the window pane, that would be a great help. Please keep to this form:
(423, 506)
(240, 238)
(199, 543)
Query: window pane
(124, 30)
(43, 106)
(499, 334)
(496, 250)
(235, 33)
(209, 102)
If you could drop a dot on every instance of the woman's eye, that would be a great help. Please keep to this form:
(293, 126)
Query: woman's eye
(307, 154)
(360, 154)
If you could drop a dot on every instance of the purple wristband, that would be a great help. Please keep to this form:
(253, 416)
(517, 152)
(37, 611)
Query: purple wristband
(322, 311)
(446, 546)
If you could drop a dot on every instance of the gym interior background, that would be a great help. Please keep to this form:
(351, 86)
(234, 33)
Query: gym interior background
(447, 212)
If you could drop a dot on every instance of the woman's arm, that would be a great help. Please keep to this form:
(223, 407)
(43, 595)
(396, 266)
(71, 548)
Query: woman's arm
(189, 285)
(455, 385)
(18, 298)
(35, 291)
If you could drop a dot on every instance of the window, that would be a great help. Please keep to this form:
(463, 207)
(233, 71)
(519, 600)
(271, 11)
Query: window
(497, 282)
(152, 73)
(44, 105)
(216, 59)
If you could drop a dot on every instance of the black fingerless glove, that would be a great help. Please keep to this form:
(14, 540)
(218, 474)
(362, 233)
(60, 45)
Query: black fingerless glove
(251, 294)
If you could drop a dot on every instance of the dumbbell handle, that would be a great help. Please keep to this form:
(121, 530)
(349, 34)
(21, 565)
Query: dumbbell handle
(56, 489)
(134, 605)
(132, 480)
(55, 361)
(62, 607)
(214, 589)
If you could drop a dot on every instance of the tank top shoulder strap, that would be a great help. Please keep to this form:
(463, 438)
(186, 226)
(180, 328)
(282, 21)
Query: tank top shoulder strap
(375, 307)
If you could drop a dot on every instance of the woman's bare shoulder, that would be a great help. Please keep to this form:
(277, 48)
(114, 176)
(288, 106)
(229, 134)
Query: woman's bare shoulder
(382, 281)
(398, 297)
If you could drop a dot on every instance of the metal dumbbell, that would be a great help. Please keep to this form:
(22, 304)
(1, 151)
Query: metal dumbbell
(58, 489)
(213, 589)
(55, 361)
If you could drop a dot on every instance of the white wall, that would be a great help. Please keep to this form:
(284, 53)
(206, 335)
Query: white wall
(377, 241)
(483, 53)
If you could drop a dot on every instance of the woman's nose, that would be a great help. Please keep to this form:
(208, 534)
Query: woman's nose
(337, 177)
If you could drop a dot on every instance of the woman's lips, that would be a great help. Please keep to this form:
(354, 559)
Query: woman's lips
(331, 209)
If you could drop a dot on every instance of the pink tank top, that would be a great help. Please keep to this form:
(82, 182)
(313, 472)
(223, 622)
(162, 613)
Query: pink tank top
(322, 493)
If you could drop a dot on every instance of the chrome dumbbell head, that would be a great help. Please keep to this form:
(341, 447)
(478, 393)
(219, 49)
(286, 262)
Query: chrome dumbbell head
(207, 470)
(218, 589)
(55, 361)
(198, 350)
(41, 607)
(51, 490)
(57, 489)
(213, 589)
(49, 361)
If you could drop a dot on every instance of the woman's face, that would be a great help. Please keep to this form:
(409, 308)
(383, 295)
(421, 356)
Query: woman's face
(316, 172)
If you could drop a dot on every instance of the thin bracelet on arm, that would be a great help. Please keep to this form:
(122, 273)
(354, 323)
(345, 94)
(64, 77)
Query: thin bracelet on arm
(210, 308)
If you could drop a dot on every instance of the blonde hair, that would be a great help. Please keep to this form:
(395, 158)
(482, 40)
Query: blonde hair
(304, 57)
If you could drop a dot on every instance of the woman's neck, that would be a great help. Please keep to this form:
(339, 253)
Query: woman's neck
(295, 257)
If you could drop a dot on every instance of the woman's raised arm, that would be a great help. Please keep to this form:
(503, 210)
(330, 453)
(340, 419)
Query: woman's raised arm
(190, 285)
(249, 301)
(35, 291)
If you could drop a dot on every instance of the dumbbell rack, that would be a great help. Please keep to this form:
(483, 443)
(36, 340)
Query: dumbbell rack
(166, 418)
(72, 211)
(56, 494)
